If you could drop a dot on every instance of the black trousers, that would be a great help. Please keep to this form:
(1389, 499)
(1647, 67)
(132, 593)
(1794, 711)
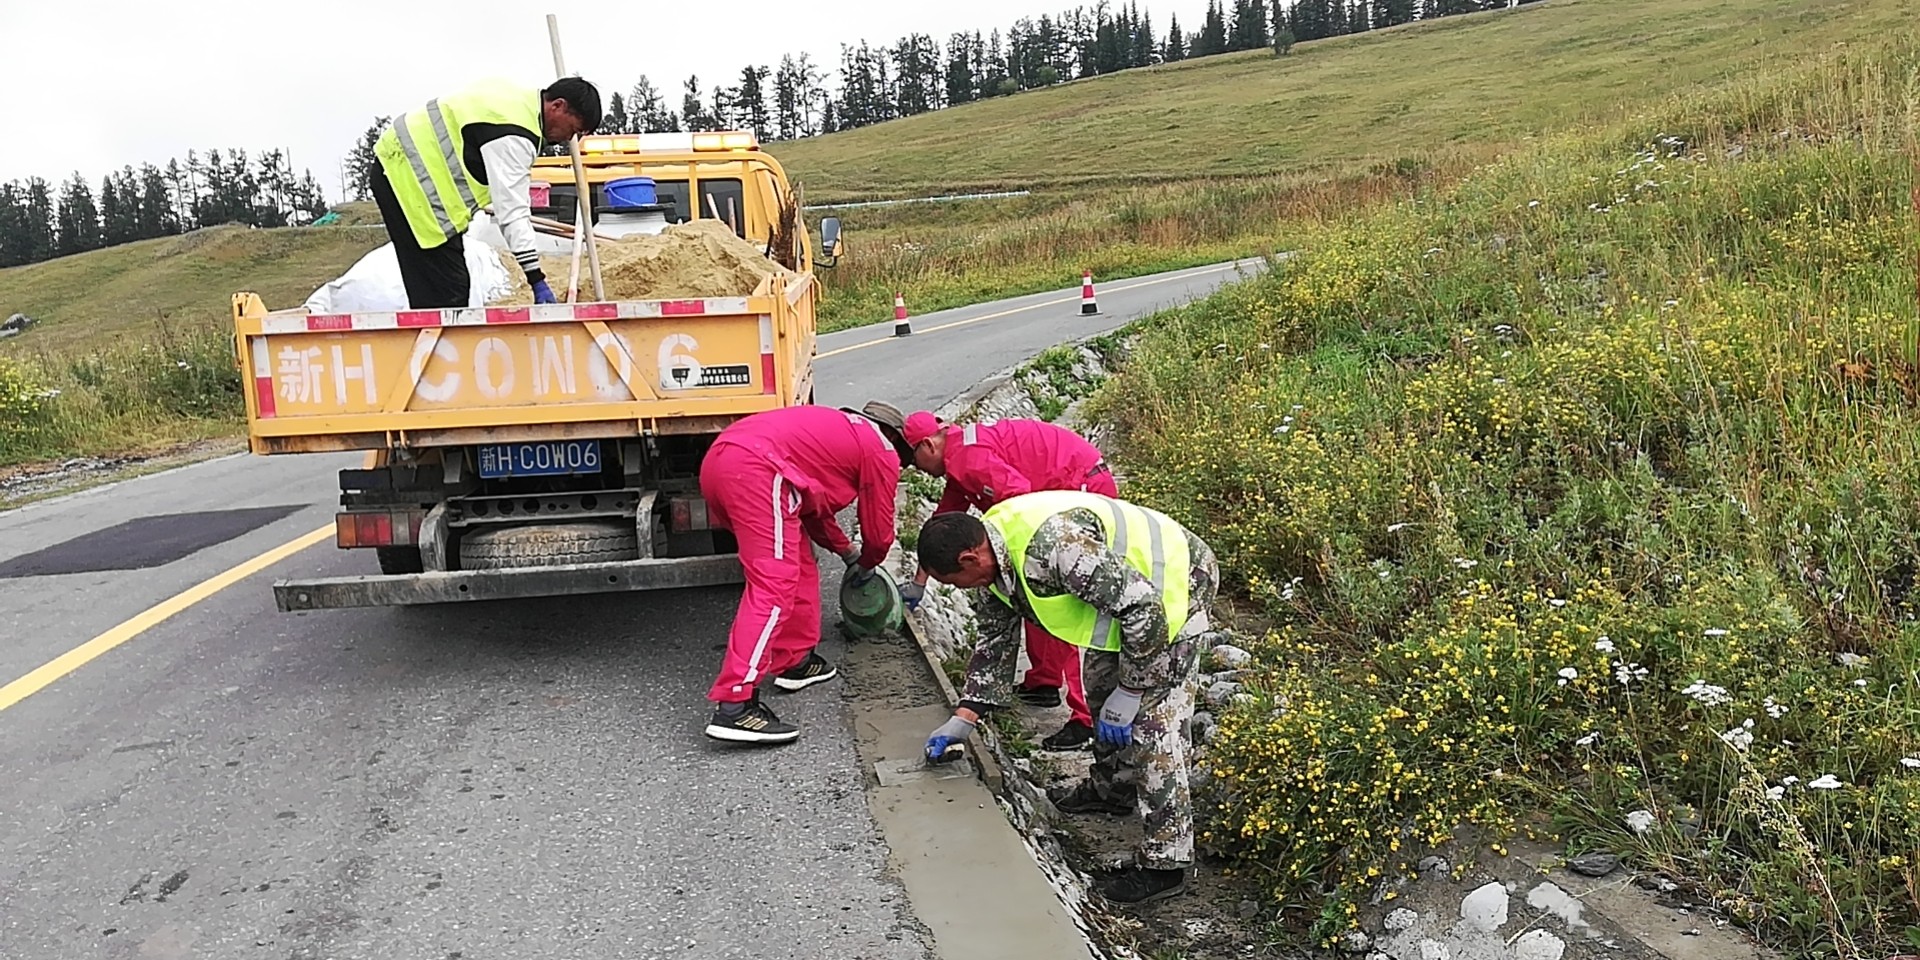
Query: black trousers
(436, 277)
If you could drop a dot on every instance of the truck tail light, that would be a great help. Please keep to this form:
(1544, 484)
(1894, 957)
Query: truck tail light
(689, 514)
(399, 528)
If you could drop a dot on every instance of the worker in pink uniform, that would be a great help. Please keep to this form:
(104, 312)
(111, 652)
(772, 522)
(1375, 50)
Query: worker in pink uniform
(776, 480)
(985, 464)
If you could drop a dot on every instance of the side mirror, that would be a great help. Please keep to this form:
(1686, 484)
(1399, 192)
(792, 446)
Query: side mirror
(830, 237)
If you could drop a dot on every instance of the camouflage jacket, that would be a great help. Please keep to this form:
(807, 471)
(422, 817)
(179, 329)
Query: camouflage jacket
(1068, 555)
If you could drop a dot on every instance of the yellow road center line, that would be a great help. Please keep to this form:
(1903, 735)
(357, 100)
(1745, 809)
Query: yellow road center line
(1201, 272)
(149, 618)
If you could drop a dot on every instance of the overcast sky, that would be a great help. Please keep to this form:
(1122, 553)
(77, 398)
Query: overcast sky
(93, 86)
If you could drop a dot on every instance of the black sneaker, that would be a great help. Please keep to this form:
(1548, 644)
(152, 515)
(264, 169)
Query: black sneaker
(1142, 885)
(1074, 736)
(816, 669)
(1083, 798)
(749, 722)
(1040, 696)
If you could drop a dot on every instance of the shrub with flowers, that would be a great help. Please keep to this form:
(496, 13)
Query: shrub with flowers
(1584, 489)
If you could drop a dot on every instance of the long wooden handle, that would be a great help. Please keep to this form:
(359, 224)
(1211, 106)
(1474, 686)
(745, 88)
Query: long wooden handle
(584, 216)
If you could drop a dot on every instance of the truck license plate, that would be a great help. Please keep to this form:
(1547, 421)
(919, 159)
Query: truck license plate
(545, 459)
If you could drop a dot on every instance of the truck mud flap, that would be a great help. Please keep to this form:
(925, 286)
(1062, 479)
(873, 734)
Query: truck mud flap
(462, 585)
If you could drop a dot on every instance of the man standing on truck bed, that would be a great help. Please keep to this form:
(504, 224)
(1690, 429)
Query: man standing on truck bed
(1137, 589)
(770, 478)
(985, 464)
(440, 164)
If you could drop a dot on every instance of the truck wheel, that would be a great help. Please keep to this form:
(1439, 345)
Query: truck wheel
(548, 545)
(399, 560)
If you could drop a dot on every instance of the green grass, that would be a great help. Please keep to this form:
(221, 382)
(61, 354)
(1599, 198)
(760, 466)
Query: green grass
(1577, 490)
(1406, 92)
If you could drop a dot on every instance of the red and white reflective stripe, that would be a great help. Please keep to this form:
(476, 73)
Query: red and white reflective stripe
(263, 378)
(483, 316)
(767, 372)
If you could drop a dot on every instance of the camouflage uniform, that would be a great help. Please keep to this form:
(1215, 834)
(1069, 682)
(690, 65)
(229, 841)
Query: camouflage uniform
(1068, 555)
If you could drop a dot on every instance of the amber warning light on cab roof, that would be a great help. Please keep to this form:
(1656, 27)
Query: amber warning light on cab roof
(669, 142)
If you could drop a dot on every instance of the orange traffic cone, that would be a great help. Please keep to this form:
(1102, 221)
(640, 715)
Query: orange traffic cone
(1087, 305)
(901, 327)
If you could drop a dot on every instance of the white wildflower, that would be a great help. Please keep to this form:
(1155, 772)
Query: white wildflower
(1627, 673)
(1707, 694)
(1775, 709)
(1828, 782)
(1790, 780)
(1464, 563)
(1740, 737)
(1568, 675)
(1589, 740)
(1396, 527)
(1776, 794)
(1911, 763)
(1861, 683)
(1532, 203)
(1556, 601)
(1640, 820)
(1716, 632)
(1283, 428)
(1604, 645)
(1852, 660)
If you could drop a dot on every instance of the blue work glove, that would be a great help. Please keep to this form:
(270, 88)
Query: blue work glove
(955, 730)
(1115, 726)
(543, 293)
(912, 593)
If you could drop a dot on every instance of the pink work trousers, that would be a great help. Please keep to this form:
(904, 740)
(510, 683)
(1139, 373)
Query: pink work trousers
(778, 622)
(1056, 663)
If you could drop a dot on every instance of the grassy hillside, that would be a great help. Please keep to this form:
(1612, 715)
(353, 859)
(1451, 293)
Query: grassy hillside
(1580, 498)
(182, 281)
(1406, 92)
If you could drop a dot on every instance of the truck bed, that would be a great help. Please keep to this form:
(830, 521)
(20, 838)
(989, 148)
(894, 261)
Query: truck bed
(427, 378)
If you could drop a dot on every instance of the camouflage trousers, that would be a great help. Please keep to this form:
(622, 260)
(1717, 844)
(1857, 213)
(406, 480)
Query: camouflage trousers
(1152, 771)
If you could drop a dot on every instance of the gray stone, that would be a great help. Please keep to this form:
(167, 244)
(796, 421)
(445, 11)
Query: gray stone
(1222, 692)
(1539, 945)
(1434, 867)
(1485, 909)
(1229, 657)
(18, 322)
(1402, 920)
(1434, 950)
(1355, 943)
(1594, 865)
(1249, 909)
(1202, 728)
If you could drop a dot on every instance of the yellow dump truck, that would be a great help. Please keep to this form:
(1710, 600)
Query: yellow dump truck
(544, 450)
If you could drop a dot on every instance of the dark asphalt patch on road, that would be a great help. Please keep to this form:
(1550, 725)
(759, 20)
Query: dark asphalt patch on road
(143, 543)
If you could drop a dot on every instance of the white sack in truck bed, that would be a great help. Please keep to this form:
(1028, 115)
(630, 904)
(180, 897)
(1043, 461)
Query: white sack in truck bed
(693, 260)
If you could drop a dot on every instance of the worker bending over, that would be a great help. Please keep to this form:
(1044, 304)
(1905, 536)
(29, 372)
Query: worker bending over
(985, 464)
(1136, 589)
(440, 164)
(776, 480)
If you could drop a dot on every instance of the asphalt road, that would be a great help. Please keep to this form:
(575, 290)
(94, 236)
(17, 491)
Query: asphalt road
(510, 780)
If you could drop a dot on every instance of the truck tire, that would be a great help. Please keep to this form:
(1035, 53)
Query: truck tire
(548, 545)
(399, 560)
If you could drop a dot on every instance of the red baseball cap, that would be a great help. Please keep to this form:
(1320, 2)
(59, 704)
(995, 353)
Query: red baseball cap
(921, 425)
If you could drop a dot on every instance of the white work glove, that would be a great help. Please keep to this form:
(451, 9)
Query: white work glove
(1115, 727)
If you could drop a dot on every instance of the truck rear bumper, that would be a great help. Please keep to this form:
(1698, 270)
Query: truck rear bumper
(463, 585)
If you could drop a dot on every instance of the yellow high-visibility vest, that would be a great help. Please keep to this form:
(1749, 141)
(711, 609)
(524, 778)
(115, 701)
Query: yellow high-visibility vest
(1152, 543)
(423, 155)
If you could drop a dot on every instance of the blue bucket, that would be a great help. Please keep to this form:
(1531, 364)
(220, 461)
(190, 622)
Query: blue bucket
(627, 193)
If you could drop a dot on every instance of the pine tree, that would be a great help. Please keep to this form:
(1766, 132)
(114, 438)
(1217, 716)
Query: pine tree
(41, 238)
(961, 84)
(361, 162)
(615, 119)
(13, 225)
(994, 81)
(647, 110)
(111, 220)
(1249, 29)
(750, 102)
(1392, 13)
(1175, 49)
(157, 216)
(77, 219)
(1359, 20)
(1145, 51)
(693, 112)
(789, 100)
(1336, 17)
(1213, 33)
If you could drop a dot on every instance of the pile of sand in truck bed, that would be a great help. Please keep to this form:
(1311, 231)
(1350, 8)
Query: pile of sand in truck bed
(700, 258)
